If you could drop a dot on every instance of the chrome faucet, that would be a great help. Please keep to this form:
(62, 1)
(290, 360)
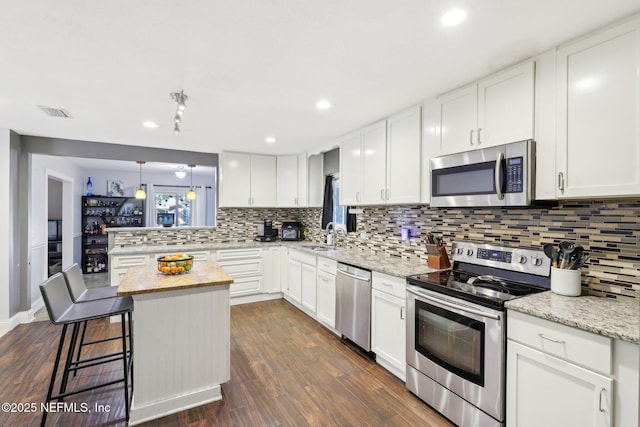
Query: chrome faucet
(331, 235)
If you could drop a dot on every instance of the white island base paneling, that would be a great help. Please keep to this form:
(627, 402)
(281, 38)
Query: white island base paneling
(181, 343)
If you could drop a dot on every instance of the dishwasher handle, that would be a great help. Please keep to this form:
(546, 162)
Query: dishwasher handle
(353, 276)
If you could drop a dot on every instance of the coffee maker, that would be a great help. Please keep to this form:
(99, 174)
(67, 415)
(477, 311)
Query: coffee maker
(266, 232)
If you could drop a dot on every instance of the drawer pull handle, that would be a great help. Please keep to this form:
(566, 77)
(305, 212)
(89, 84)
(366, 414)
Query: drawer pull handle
(600, 400)
(544, 337)
(388, 284)
(401, 313)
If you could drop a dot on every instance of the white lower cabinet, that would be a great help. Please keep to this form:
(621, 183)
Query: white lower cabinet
(388, 322)
(245, 266)
(326, 282)
(295, 281)
(302, 280)
(119, 264)
(558, 375)
(271, 257)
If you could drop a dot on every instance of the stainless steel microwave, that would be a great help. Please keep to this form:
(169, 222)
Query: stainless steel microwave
(498, 176)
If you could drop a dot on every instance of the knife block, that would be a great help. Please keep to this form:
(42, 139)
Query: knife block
(437, 257)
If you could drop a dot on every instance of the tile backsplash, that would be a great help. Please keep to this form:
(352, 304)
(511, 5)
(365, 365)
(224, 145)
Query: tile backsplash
(608, 230)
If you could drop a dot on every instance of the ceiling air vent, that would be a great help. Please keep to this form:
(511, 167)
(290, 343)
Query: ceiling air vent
(55, 112)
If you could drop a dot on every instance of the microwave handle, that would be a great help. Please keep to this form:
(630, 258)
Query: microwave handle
(498, 175)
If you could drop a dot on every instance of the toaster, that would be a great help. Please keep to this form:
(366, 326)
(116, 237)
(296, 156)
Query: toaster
(291, 230)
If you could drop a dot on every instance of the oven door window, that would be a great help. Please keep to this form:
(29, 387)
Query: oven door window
(453, 341)
(466, 180)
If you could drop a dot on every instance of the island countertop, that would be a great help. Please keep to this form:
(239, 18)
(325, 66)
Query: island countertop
(146, 279)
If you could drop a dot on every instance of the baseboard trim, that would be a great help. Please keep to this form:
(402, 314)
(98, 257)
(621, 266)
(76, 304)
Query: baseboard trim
(21, 317)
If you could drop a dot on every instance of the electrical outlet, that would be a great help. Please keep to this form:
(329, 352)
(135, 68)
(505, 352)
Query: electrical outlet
(363, 235)
(145, 239)
(188, 237)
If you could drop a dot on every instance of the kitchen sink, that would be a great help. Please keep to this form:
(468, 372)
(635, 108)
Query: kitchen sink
(317, 248)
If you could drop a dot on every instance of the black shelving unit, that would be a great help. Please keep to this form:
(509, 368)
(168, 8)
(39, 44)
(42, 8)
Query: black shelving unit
(98, 214)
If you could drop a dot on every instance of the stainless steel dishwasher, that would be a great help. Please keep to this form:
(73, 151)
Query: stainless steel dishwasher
(353, 304)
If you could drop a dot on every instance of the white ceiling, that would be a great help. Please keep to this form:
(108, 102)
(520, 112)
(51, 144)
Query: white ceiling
(130, 166)
(254, 69)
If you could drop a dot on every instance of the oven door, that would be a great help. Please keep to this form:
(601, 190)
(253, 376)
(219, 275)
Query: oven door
(459, 345)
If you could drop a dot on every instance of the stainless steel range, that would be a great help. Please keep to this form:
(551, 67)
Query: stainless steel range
(456, 329)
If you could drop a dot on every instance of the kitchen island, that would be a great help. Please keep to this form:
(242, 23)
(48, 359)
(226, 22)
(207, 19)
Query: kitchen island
(181, 338)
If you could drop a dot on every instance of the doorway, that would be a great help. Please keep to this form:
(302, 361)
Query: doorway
(59, 202)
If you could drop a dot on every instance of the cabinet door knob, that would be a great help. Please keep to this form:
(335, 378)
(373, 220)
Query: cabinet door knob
(382, 194)
(402, 313)
(471, 137)
(600, 400)
(479, 131)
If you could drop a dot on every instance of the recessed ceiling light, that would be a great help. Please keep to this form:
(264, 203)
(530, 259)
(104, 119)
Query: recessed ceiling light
(323, 104)
(270, 139)
(149, 124)
(453, 17)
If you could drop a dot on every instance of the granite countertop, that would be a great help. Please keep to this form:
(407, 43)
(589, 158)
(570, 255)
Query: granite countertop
(394, 266)
(146, 279)
(611, 317)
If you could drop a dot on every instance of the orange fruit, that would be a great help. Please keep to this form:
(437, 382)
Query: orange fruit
(180, 269)
(173, 270)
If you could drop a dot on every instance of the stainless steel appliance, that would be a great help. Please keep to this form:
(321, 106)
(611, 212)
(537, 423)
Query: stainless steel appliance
(503, 175)
(353, 304)
(456, 329)
(291, 230)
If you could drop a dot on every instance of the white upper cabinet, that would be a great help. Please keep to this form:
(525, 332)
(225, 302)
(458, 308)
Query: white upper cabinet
(350, 170)
(247, 180)
(382, 163)
(374, 148)
(495, 110)
(287, 190)
(458, 120)
(598, 114)
(404, 156)
(505, 106)
(292, 181)
(316, 180)
(303, 181)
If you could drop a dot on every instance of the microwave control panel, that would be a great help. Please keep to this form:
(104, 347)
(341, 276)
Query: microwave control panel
(515, 172)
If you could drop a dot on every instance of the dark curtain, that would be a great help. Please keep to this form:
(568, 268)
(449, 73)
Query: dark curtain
(350, 222)
(327, 205)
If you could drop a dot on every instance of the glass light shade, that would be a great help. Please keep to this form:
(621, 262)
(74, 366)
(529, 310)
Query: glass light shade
(191, 195)
(140, 194)
(181, 174)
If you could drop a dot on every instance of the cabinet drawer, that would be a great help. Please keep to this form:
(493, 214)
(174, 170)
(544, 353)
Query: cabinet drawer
(242, 268)
(327, 265)
(390, 284)
(574, 345)
(238, 254)
(302, 257)
(245, 286)
(130, 261)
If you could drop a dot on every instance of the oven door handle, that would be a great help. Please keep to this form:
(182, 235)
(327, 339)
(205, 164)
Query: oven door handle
(454, 306)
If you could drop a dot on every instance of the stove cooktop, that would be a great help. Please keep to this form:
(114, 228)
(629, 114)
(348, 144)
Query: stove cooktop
(489, 275)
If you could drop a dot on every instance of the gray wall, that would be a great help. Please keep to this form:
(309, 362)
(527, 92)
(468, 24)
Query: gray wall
(332, 161)
(16, 222)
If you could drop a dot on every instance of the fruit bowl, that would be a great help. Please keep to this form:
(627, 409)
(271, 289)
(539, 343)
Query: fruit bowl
(175, 264)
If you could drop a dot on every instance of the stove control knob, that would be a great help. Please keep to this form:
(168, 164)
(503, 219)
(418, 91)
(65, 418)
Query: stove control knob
(537, 261)
(522, 259)
(459, 251)
(469, 252)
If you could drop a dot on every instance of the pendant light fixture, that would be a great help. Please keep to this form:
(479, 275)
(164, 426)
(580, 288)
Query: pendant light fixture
(180, 173)
(140, 194)
(191, 194)
(180, 98)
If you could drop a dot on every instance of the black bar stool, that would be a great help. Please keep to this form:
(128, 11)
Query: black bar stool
(80, 293)
(63, 311)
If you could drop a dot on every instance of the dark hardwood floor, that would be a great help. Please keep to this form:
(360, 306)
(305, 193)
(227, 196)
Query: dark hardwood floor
(286, 370)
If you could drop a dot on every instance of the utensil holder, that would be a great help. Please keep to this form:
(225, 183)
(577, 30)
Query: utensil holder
(437, 257)
(566, 282)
